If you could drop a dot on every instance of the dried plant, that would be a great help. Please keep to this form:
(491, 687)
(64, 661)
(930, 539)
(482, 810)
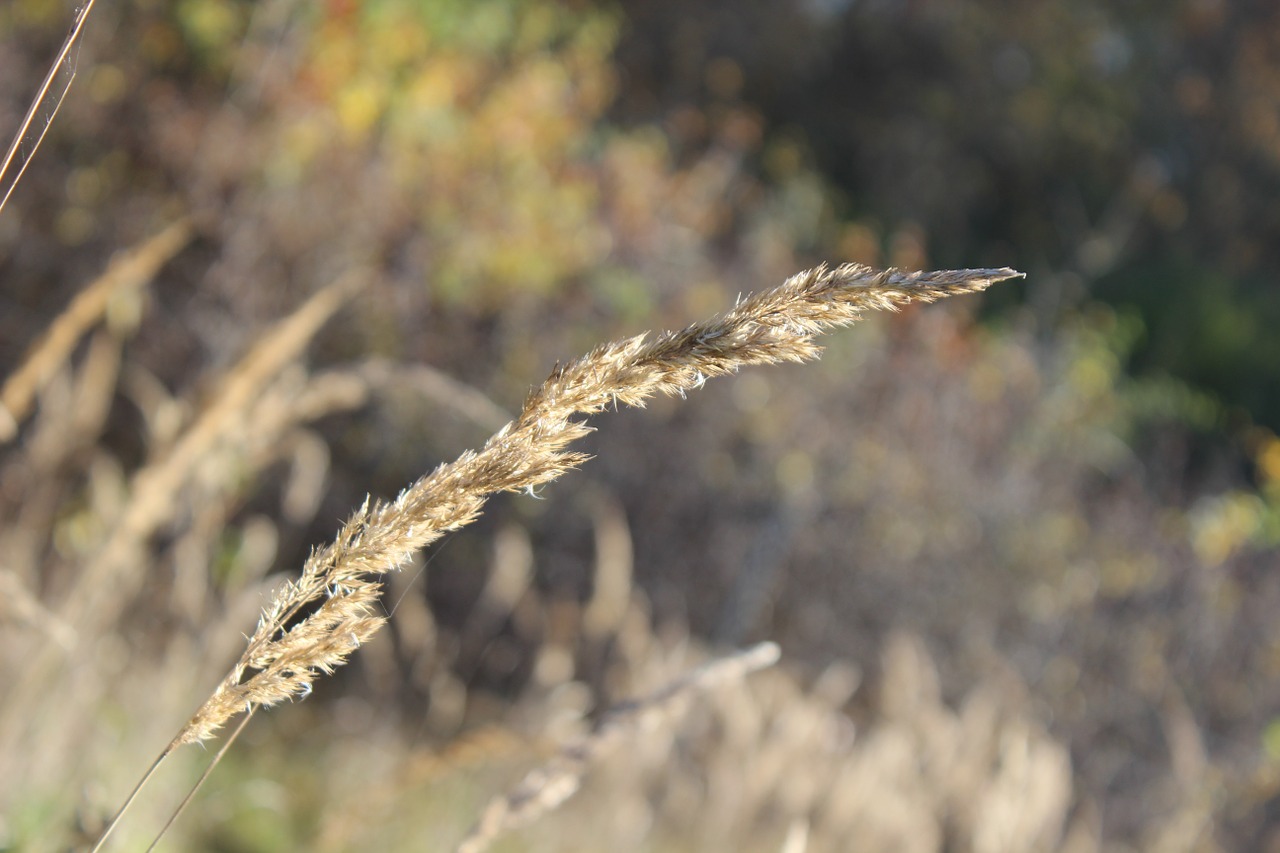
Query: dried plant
(282, 660)
(132, 269)
(103, 590)
(142, 507)
(49, 97)
(547, 787)
(100, 594)
(313, 624)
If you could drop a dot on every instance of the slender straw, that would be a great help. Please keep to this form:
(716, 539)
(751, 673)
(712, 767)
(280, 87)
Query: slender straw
(45, 88)
(155, 765)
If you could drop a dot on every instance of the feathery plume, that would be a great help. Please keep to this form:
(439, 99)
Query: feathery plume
(339, 582)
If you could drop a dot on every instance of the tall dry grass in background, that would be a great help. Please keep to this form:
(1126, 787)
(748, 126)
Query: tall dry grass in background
(992, 638)
(311, 625)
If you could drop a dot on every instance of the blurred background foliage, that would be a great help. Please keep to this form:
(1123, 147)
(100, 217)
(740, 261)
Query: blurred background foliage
(1070, 494)
(1128, 153)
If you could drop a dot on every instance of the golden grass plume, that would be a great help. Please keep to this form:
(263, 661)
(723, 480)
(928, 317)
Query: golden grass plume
(339, 587)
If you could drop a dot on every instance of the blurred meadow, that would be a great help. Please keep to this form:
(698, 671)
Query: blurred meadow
(1019, 551)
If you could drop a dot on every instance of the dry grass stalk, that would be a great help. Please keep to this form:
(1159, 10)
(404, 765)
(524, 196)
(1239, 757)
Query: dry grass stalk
(343, 389)
(17, 602)
(797, 840)
(131, 269)
(547, 787)
(777, 325)
(614, 570)
(439, 387)
(29, 136)
(155, 488)
(114, 573)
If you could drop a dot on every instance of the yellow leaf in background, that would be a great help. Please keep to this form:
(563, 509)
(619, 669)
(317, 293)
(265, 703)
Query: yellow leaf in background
(435, 86)
(213, 24)
(359, 105)
(1269, 460)
(1220, 526)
